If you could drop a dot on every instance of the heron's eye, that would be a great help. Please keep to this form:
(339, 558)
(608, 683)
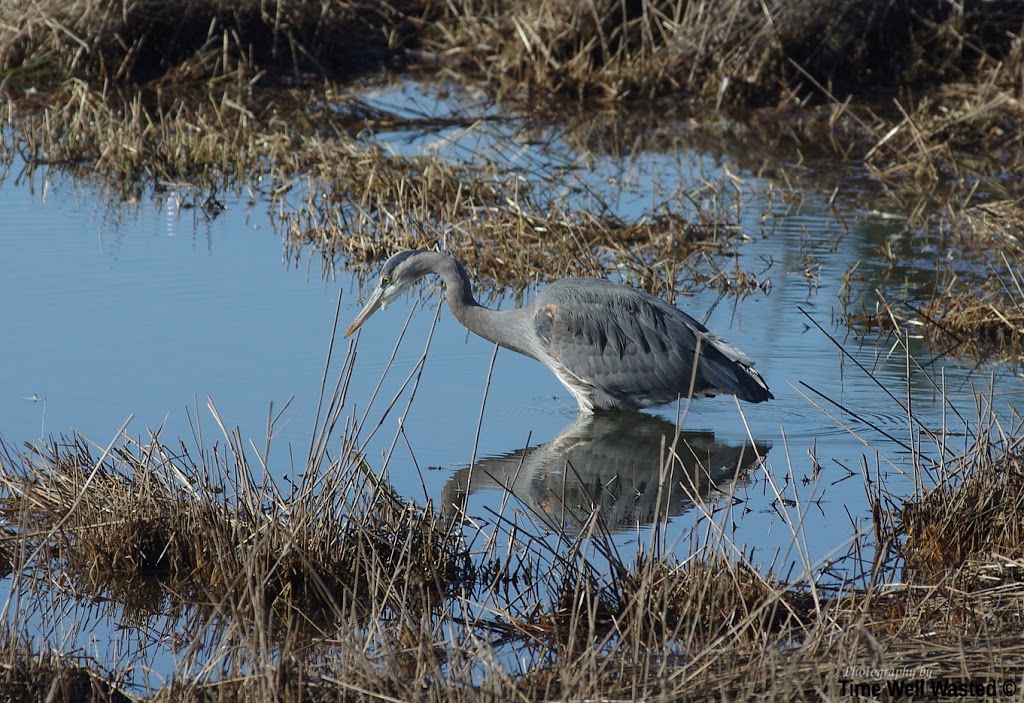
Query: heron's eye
(385, 281)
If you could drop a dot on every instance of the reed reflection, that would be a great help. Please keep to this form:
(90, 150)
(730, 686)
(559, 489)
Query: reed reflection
(625, 469)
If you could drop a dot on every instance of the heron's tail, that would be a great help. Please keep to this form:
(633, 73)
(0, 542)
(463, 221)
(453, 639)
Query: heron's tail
(752, 387)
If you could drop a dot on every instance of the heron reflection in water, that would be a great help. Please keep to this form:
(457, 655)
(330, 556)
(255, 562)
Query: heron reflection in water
(614, 347)
(624, 468)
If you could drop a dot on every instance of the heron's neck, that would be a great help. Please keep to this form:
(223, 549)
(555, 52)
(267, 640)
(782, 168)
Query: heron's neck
(475, 317)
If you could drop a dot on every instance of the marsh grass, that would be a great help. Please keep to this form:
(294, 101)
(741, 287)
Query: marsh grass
(188, 41)
(983, 512)
(914, 90)
(264, 98)
(507, 236)
(334, 588)
(743, 51)
(333, 585)
(974, 308)
(948, 73)
(38, 676)
(255, 606)
(355, 202)
(160, 503)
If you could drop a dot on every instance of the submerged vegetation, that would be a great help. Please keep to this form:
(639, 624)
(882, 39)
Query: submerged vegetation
(336, 588)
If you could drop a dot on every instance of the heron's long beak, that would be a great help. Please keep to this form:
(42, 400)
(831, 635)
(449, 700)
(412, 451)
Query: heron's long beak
(371, 307)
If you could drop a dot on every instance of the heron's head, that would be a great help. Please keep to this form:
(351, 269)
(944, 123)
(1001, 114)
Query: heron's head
(398, 273)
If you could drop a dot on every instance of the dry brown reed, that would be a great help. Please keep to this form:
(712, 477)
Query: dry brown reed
(143, 514)
(959, 541)
(741, 52)
(50, 676)
(963, 315)
(971, 523)
(509, 237)
(339, 588)
(297, 589)
(187, 41)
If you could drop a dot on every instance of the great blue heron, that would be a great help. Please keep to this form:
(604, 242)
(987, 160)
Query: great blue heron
(613, 347)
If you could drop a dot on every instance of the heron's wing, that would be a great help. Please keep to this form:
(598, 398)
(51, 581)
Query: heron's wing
(632, 346)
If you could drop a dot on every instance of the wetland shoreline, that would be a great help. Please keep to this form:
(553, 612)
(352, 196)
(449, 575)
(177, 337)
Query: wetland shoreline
(308, 596)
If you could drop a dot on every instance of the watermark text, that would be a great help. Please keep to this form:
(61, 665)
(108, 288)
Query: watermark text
(918, 682)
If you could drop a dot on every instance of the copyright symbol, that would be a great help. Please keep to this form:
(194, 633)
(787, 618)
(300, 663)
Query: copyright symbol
(1009, 688)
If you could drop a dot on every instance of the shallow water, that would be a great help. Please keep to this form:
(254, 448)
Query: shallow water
(149, 310)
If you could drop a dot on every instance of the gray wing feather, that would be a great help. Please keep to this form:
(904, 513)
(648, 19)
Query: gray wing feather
(636, 350)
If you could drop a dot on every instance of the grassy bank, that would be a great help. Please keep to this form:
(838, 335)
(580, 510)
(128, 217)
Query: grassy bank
(953, 68)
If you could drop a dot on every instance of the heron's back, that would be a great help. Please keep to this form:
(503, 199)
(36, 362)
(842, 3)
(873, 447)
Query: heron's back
(626, 349)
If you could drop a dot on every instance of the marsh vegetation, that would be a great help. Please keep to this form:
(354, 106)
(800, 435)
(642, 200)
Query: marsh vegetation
(330, 584)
